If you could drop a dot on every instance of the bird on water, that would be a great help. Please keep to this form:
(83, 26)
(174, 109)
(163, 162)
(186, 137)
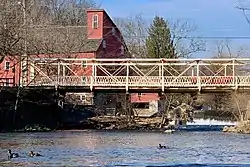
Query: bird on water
(12, 155)
(161, 147)
(34, 154)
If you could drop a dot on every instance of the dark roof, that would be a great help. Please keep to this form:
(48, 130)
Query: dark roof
(60, 39)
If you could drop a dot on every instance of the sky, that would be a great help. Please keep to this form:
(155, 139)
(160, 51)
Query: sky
(216, 18)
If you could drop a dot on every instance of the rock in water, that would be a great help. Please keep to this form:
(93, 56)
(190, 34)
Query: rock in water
(169, 131)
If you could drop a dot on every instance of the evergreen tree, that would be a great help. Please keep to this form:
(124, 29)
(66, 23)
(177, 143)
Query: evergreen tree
(159, 43)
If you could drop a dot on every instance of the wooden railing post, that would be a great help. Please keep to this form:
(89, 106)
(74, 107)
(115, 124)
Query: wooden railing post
(127, 77)
(93, 75)
(235, 79)
(162, 77)
(198, 76)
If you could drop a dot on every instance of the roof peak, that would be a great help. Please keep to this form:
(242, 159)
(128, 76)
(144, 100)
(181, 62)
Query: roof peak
(95, 10)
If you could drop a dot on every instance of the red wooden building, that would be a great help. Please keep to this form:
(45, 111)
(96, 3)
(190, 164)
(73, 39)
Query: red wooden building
(100, 38)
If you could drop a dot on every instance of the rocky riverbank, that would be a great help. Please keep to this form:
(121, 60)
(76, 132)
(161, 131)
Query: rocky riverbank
(122, 123)
(241, 127)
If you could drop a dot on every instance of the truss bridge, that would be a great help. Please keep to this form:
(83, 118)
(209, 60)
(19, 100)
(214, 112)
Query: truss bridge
(140, 75)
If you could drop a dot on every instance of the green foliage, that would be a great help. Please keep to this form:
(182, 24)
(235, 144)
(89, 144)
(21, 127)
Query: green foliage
(159, 43)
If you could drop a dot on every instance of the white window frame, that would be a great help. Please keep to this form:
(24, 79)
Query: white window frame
(95, 21)
(5, 66)
(83, 97)
(7, 82)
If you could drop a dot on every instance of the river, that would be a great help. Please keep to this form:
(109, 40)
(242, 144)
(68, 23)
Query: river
(103, 148)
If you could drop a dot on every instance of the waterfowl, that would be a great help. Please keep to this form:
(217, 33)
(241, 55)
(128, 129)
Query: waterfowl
(12, 155)
(161, 147)
(34, 154)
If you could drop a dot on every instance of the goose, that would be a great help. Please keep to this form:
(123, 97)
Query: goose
(12, 155)
(161, 147)
(34, 154)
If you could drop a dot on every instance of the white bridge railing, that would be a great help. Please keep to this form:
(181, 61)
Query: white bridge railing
(142, 73)
(146, 81)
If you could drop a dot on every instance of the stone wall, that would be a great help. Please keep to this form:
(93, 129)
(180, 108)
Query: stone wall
(79, 98)
(147, 111)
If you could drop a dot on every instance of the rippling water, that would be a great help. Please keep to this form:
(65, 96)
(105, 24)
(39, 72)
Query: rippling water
(99, 148)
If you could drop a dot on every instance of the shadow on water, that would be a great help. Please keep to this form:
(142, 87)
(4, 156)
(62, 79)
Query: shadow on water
(103, 148)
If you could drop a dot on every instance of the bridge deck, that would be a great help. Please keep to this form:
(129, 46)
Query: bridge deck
(87, 89)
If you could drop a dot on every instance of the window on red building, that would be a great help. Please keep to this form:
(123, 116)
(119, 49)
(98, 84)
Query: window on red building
(141, 105)
(95, 21)
(7, 65)
(83, 98)
(6, 83)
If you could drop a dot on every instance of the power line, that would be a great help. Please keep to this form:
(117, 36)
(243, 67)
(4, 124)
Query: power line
(195, 37)
(47, 27)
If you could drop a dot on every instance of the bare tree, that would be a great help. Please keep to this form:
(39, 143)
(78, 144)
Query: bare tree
(11, 23)
(184, 44)
(35, 27)
(30, 16)
(134, 30)
(244, 6)
(234, 103)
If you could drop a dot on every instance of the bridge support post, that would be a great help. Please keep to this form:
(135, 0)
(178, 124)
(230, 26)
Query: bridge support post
(59, 99)
(128, 108)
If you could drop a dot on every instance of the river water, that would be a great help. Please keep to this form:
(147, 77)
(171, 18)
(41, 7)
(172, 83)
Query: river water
(102, 148)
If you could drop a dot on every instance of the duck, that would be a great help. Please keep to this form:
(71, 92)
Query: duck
(161, 147)
(12, 155)
(34, 154)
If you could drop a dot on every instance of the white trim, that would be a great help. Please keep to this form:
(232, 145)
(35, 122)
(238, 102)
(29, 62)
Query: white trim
(83, 97)
(95, 21)
(6, 82)
(201, 61)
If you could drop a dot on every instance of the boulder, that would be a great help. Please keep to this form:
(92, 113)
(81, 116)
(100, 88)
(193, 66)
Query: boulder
(241, 127)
